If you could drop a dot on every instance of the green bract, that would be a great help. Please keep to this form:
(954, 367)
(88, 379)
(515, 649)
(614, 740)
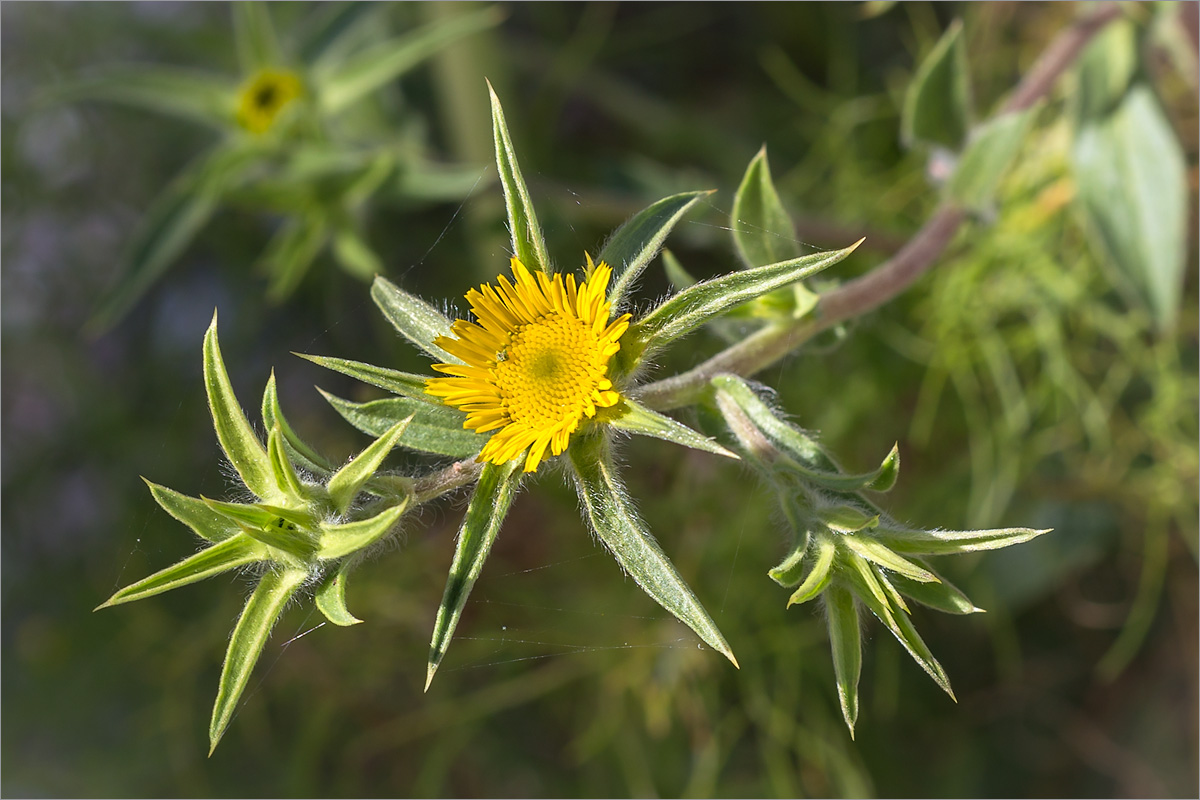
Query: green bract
(306, 525)
(846, 549)
(287, 144)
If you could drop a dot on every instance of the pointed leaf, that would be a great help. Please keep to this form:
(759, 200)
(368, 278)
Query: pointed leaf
(236, 551)
(257, 47)
(262, 610)
(684, 312)
(636, 418)
(762, 229)
(434, 429)
(790, 571)
(354, 254)
(489, 504)
(632, 247)
(285, 474)
(341, 84)
(169, 226)
(297, 448)
(937, 106)
(415, 319)
(819, 576)
(1132, 186)
(405, 384)
(196, 96)
(788, 437)
(195, 513)
(292, 250)
(528, 244)
(845, 640)
(284, 529)
(992, 148)
(871, 591)
(617, 524)
(331, 597)
(847, 519)
(346, 482)
(880, 554)
(237, 438)
(938, 543)
(943, 596)
(338, 540)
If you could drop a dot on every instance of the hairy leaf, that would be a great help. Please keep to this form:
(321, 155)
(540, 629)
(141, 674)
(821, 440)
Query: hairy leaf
(528, 244)
(235, 551)
(631, 248)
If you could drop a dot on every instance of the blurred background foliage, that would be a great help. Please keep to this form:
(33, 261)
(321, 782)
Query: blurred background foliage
(1023, 388)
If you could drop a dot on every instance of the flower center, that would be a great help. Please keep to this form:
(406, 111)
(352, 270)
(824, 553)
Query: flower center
(550, 371)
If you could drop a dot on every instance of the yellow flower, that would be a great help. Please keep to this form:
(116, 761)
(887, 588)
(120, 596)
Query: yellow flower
(266, 94)
(535, 363)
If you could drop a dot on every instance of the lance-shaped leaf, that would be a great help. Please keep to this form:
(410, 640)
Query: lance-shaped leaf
(297, 448)
(988, 154)
(819, 576)
(880, 480)
(281, 466)
(434, 429)
(191, 95)
(940, 543)
(763, 232)
(405, 384)
(170, 225)
(338, 540)
(331, 597)
(617, 524)
(262, 610)
(684, 312)
(943, 595)
(880, 554)
(340, 84)
(292, 250)
(633, 417)
(528, 244)
(489, 504)
(257, 46)
(241, 446)
(286, 530)
(236, 551)
(847, 518)
(845, 640)
(346, 482)
(704, 301)
(937, 106)
(872, 592)
(415, 319)
(633, 245)
(195, 513)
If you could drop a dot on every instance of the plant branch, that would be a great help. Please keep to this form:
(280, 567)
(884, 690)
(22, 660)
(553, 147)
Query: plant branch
(885, 282)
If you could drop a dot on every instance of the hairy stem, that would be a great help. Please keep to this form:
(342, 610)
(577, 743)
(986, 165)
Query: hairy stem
(889, 279)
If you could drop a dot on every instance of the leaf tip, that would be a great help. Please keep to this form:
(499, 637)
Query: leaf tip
(433, 665)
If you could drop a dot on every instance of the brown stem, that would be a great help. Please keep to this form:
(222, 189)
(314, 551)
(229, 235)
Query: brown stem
(889, 279)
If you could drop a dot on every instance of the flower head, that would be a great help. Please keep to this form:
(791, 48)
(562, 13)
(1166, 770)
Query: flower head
(264, 96)
(535, 363)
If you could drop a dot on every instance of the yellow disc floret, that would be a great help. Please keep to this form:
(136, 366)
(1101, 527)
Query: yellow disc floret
(535, 362)
(264, 96)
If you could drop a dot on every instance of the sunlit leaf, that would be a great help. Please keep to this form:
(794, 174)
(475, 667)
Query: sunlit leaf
(762, 229)
(632, 417)
(195, 513)
(242, 447)
(235, 551)
(633, 246)
(405, 384)
(415, 319)
(845, 640)
(617, 524)
(345, 483)
(434, 429)
(528, 243)
(331, 597)
(342, 539)
(485, 514)
(297, 448)
(262, 610)
(936, 543)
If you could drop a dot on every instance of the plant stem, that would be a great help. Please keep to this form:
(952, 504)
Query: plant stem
(885, 282)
